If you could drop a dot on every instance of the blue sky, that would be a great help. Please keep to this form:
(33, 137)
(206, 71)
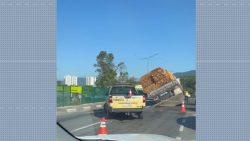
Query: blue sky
(130, 29)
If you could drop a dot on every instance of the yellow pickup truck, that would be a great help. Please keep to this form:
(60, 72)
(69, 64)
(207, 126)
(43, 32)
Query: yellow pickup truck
(123, 98)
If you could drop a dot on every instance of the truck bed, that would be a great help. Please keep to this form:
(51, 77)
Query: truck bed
(165, 91)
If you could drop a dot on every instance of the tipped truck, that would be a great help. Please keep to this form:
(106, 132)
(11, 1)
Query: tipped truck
(160, 84)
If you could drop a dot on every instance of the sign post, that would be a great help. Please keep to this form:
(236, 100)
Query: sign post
(63, 95)
(77, 91)
(80, 97)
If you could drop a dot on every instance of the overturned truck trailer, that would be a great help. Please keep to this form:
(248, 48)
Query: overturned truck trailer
(160, 84)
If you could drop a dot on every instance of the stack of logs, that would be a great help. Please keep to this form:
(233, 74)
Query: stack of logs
(155, 79)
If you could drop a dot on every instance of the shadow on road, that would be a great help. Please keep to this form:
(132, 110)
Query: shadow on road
(117, 116)
(191, 109)
(99, 113)
(187, 104)
(122, 117)
(188, 122)
(150, 103)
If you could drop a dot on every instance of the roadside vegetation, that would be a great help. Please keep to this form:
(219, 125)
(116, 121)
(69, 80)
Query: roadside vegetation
(188, 84)
(110, 73)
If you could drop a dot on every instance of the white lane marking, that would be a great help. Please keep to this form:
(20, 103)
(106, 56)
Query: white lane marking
(71, 110)
(181, 128)
(178, 138)
(85, 127)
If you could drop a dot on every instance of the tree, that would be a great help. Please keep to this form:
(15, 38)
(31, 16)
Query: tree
(122, 71)
(132, 80)
(107, 70)
(188, 83)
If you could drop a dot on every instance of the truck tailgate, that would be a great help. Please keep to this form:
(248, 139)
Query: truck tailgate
(127, 102)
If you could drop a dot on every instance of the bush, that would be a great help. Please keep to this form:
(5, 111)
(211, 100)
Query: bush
(188, 84)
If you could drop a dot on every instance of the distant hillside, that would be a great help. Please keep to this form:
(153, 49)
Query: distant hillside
(187, 73)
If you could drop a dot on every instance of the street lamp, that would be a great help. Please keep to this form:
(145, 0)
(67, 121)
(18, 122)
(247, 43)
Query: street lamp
(148, 58)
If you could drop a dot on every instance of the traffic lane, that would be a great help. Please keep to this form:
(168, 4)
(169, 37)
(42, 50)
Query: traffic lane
(189, 118)
(187, 134)
(69, 115)
(99, 112)
(77, 121)
(159, 120)
(188, 123)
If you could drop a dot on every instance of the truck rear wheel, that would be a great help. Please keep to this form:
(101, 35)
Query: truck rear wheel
(105, 108)
(140, 116)
(106, 111)
(109, 114)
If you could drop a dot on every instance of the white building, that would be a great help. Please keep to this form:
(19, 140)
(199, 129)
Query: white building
(81, 81)
(70, 80)
(73, 80)
(90, 80)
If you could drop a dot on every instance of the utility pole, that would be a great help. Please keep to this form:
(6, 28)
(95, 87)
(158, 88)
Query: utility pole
(148, 58)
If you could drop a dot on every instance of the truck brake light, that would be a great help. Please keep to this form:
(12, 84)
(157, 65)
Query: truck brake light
(144, 99)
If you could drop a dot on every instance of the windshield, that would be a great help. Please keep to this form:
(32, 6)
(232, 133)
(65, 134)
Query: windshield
(105, 49)
(122, 90)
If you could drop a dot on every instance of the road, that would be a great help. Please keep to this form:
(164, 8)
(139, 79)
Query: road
(163, 120)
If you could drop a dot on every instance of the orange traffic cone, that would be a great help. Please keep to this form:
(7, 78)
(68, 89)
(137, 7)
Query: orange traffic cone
(183, 109)
(103, 129)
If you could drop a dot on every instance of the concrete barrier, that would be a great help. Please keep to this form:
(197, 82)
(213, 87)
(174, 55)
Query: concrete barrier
(81, 108)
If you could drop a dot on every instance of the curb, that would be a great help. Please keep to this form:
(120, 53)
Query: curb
(81, 108)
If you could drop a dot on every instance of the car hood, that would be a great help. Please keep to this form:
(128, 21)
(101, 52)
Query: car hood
(129, 137)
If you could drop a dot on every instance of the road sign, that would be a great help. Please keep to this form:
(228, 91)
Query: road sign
(76, 89)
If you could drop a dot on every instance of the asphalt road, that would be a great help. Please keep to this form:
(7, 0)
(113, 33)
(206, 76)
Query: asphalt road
(163, 120)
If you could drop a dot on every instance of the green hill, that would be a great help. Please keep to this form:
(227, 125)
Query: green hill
(188, 81)
(183, 74)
